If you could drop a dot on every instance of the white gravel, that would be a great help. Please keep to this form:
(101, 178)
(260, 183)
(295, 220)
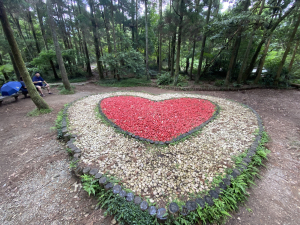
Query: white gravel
(154, 171)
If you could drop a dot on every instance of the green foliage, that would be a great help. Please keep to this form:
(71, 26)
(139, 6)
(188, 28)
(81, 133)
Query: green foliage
(58, 124)
(164, 79)
(125, 82)
(219, 83)
(37, 112)
(126, 62)
(7, 68)
(41, 62)
(89, 184)
(182, 81)
(64, 91)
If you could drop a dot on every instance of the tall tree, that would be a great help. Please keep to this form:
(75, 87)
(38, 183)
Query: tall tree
(40, 18)
(59, 58)
(96, 40)
(266, 35)
(288, 47)
(160, 35)
(181, 6)
(203, 44)
(146, 31)
(293, 56)
(36, 98)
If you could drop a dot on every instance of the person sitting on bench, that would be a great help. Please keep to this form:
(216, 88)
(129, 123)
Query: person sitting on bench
(23, 87)
(38, 82)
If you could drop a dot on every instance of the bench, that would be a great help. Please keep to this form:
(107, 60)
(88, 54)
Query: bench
(15, 95)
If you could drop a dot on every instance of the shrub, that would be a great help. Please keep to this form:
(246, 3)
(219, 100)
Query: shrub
(219, 83)
(125, 62)
(164, 79)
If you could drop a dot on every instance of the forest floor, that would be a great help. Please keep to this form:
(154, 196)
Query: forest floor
(36, 186)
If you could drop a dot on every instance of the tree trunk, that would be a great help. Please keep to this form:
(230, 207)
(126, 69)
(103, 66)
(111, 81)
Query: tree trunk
(234, 54)
(36, 98)
(59, 58)
(146, 31)
(262, 61)
(136, 21)
(87, 57)
(113, 23)
(203, 45)
(245, 60)
(160, 36)
(132, 20)
(33, 31)
(293, 57)
(178, 44)
(169, 56)
(106, 24)
(288, 47)
(173, 52)
(193, 55)
(96, 41)
(44, 37)
(265, 37)
(4, 73)
(16, 21)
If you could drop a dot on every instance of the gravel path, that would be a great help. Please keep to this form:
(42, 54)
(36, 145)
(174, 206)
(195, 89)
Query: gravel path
(163, 172)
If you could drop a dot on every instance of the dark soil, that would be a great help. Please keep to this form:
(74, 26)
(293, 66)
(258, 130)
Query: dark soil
(38, 188)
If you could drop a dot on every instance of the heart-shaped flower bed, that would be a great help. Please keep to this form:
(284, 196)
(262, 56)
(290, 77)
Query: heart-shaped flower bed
(157, 121)
(161, 173)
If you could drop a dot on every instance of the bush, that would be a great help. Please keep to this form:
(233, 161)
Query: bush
(219, 83)
(182, 81)
(164, 79)
(125, 62)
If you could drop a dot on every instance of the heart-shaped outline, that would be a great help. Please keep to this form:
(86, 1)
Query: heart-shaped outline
(178, 138)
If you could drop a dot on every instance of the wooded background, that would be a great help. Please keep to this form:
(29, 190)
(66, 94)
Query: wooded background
(179, 40)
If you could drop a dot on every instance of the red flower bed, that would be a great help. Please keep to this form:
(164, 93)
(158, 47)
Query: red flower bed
(157, 121)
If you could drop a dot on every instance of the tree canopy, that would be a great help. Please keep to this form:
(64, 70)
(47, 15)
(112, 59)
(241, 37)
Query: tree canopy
(229, 42)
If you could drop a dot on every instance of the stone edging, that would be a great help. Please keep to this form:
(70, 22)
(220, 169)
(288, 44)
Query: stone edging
(178, 138)
(191, 205)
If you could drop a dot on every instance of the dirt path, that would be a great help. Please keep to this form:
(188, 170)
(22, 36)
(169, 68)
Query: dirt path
(37, 187)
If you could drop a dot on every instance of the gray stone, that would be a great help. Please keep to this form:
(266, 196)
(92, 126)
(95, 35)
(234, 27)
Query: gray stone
(77, 155)
(86, 170)
(173, 207)
(144, 205)
(226, 181)
(129, 197)
(122, 193)
(98, 175)
(137, 200)
(93, 171)
(208, 200)
(160, 214)
(184, 211)
(213, 194)
(152, 210)
(200, 202)
(116, 189)
(108, 186)
(191, 205)
(102, 180)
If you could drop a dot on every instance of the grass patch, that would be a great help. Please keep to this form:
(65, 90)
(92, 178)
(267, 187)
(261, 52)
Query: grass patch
(125, 82)
(37, 112)
(64, 91)
(77, 80)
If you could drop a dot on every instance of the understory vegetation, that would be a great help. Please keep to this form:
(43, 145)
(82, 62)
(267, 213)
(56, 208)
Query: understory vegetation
(236, 43)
